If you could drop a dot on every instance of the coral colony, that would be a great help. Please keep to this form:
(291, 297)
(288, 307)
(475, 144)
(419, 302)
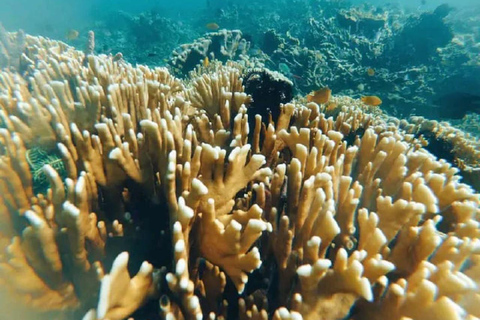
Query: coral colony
(163, 198)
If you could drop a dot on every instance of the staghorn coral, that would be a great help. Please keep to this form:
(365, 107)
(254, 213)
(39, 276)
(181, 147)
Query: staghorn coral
(321, 214)
(451, 144)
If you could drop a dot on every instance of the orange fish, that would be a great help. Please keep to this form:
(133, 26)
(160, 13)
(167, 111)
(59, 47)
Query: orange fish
(206, 62)
(320, 96)
(332, 106)
(371, 100)
(371, 72)
(212, 26)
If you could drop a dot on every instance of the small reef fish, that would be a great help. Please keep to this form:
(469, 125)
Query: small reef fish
(371, 72)
(331, 106)
(371, 100)
(320, 96)
(283, 67)
(212, 26)
(72, 34)
(206, 62)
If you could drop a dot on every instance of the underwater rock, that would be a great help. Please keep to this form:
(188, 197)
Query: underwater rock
(271, 41)
(11, 48)
(268, 89)
(419, 39)
(222, 45)
(442, 10)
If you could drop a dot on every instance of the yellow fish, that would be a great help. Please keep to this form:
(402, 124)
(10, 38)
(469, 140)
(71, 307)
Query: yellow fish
(320, 96)
(371, 100)
(72, 34)
(212, 26)
(331, 106)
(206, 62)
(371, 72)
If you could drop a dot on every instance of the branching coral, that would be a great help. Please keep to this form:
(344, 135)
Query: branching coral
(310, 217)
(451, 144)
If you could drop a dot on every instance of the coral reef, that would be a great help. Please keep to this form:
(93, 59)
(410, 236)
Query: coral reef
(412, 46)
(366, 23)
(336, 46)
(222, 45)
(146, 38)
(449, 143)
(321, 214)
(354, 50)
